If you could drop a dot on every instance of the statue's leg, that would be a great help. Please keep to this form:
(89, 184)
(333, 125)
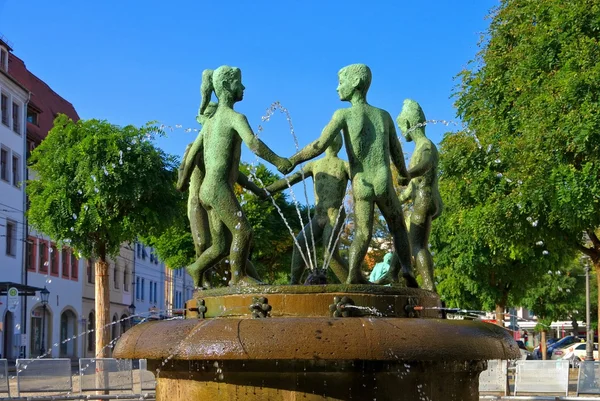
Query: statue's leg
(420, 227)
(330, 235)
(363, 230)
(419, 236)
(200, 230)
(220, 241)
(231, 215)
(298, 264)
(391, 209)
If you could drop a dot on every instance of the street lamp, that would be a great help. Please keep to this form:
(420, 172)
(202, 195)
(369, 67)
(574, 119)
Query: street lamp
(589, 347)
(131, 309)
(44, 294)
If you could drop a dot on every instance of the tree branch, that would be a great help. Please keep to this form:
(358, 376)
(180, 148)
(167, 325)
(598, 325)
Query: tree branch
(587, 251)
(594, 239)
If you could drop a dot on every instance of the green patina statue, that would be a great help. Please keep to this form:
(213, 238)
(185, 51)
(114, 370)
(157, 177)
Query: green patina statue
(371, 143)
(422, 189)
(330, 177)
(197, 214)
(222, 136)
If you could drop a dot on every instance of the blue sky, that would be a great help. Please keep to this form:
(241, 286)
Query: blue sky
(131, 61)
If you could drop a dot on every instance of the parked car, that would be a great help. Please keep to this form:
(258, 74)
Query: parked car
(563, 342)
(577, 354)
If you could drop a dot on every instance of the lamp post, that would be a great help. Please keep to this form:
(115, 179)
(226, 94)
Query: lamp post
(131, 312)
(589, 347)
(44, 294)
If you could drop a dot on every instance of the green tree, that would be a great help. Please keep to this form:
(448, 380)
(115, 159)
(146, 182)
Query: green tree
(533, 93)
(96, 186)
(555, 297)
(488, 250)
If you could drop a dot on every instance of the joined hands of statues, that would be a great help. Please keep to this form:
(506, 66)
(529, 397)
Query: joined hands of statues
(285, 166)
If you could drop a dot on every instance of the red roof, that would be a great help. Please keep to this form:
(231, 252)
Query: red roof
(43, 99)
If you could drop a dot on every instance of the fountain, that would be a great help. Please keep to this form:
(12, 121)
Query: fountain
(356, 340)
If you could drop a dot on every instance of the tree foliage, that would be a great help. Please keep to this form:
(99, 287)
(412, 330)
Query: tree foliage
(533, 93)
(97, 185)
(488, 250)
(530, 100)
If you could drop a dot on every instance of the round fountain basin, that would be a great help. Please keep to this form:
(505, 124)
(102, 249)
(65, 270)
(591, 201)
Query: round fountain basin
(301, 351)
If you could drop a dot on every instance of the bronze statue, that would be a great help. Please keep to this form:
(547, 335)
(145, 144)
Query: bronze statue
(371, 143)
(422, 190)
(197, 215)
(330, 179)
(220, 144)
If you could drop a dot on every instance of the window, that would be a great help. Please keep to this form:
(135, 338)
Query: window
(137, 288)
(16, 170)
(32, 117)
(16, 118)
(116, 278)
(4, 164)
(74, 266)
(43, 257)
(3, 59)
(30, 261)
(53, 260)
(11, 238)
(139, 250)
(125, 279)
(65, 262)
(90, 270)
(4, 108)
(142, 289)
(155, 292)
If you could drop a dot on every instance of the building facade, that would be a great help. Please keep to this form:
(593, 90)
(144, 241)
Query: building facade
(14, 98)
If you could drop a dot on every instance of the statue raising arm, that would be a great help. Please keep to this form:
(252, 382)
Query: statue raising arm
(251, 186)
(258, 147)
(318, 146)
(295, 178)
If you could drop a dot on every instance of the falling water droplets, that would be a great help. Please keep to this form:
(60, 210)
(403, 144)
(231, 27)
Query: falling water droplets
(48, 280)
(93, 178)
(18, 326)
(239, 214)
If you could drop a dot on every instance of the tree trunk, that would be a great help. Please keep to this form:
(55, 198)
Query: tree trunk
(543, 344)
(102, 319)
(500, 315)
(102, 305)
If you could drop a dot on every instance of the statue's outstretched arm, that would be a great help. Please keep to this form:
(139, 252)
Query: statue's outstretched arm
(189, 162)
(318, 146)
(250, 185)
(293, 179)
(258, 147)
(396, 150)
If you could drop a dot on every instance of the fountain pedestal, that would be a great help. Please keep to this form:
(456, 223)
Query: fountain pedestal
(302, 352)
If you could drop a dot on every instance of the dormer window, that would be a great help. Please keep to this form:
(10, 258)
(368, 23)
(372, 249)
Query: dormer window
(3, 59)
(32, 116)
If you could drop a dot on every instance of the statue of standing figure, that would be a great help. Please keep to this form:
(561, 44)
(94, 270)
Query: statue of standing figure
(422, 190)
(371, 143)
(220, 146)
(330, 179)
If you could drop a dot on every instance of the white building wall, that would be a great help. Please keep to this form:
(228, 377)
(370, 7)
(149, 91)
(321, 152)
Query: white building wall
(149, 283)
(12, 196)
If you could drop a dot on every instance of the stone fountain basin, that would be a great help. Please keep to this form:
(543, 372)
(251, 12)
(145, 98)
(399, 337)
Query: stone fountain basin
(302, 352)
